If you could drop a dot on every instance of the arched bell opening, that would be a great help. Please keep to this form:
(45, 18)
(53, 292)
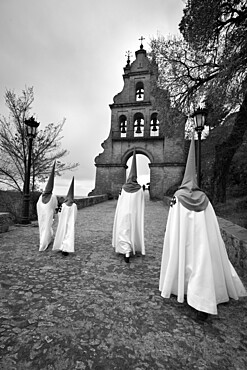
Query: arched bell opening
(154, 125)
(123, 125)
(138, 125)
(139, 91)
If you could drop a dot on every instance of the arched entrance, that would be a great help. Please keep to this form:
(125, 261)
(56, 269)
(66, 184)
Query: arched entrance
(136, 123)
(143, 170)
(143, 161)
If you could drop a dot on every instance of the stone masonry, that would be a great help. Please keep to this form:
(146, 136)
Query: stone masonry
(135, 122)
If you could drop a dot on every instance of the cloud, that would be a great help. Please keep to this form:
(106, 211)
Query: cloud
(73, 54)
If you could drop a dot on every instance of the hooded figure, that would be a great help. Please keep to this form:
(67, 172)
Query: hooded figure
(65, 234)
(128, 227)
(194, 260)
(46, 207)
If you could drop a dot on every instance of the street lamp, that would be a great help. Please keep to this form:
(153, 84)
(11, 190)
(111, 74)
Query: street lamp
(31, 131)
(199, 118)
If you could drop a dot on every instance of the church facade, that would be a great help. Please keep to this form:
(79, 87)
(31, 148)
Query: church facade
(136, 123)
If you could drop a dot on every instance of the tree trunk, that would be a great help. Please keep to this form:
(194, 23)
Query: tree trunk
(225, 151)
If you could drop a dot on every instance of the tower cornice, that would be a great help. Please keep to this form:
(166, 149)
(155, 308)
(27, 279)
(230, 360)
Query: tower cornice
(129, 105)
(136, 73)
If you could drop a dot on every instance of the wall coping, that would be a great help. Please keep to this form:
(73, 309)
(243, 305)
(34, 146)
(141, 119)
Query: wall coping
(234, 230)
(5, 217)
(90, 201)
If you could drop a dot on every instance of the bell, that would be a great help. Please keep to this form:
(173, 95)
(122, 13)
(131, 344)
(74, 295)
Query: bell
(139, 92)
(154, 128)
(123, 130)
(138, 130)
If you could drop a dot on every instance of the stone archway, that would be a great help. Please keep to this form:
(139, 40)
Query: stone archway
(143, 161)
(111, 167)
(139, 150)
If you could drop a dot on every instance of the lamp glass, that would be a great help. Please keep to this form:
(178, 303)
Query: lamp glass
(31, 127)
(31, 130)
(199, 119)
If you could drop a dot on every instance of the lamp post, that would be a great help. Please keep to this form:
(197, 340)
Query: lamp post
(31, 131)
(199, 118)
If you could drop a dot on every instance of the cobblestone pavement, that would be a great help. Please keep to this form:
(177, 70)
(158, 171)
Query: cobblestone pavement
(91, 310)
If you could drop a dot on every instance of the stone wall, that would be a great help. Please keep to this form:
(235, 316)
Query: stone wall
(109, 180)
(165, 172)
(12, 203)
(90, 201)
(6, 220)
(235, 238)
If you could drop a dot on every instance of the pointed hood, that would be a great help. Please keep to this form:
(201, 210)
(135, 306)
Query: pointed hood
(189, 193)
(69, 199)
(131, 185)
(47, 193)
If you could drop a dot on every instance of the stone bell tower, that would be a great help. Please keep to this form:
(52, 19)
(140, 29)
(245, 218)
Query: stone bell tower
(135, 122)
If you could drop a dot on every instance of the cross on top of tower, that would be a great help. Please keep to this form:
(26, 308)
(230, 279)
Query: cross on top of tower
(141, 39)
(128, 55)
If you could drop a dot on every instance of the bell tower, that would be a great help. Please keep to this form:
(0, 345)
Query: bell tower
(135, 122)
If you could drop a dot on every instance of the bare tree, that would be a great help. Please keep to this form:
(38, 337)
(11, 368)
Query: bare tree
(14, 147)
(209, 64)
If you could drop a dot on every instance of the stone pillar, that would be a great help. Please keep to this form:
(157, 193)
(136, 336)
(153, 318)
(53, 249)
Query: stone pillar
(164, 176)
(173, 175)
(109, 179)
(156, 180)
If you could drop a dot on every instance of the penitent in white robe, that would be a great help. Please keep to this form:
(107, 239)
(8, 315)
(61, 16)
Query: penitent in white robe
(45, 213)
(195, 262)
(65, 234)
(128, 227)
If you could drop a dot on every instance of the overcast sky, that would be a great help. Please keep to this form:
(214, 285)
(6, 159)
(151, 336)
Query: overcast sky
(73, 53)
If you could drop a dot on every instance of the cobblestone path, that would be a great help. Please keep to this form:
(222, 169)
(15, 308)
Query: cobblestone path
(91, 310)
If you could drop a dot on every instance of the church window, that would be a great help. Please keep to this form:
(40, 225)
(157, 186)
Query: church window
(154, 125)
(123, 125)
(138, 125)
(139, 91)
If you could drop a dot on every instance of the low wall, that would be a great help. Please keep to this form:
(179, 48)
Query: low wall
(90, 201)
(5, 222)
(11, 202)
(235, 238)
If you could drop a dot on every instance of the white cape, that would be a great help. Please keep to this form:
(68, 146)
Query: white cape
(45, 220)
(65, 234)
(128, 227)
(195, 262)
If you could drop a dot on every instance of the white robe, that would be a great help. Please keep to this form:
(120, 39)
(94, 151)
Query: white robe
(195, 262)
(45, 213)
(65, 234)
(128, 227)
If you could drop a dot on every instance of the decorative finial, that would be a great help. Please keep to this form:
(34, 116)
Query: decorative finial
(128, 55)
(141, 39)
